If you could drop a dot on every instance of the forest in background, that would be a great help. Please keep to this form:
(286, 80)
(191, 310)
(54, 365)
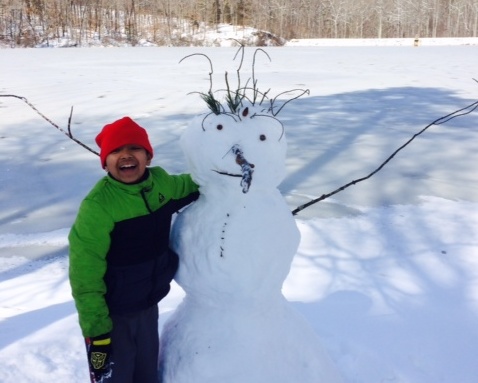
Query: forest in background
(30, 23)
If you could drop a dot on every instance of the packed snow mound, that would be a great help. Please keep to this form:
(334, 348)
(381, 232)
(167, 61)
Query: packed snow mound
(185, 34)
(236, 244)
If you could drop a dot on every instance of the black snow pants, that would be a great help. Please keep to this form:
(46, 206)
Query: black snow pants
(135, 344)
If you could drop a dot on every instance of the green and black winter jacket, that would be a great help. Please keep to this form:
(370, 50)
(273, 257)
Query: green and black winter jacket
(120, 261)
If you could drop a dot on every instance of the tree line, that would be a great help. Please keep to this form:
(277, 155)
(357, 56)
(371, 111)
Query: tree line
(173, 22)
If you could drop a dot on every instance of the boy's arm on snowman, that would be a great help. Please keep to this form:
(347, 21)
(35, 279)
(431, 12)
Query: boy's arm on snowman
(89, 241)
(186, 190)
(175, 186)
(184, 185)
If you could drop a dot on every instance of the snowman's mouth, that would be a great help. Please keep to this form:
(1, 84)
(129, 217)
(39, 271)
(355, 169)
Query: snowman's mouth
(227, 174)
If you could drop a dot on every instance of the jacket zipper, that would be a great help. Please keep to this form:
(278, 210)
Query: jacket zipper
(143, 195)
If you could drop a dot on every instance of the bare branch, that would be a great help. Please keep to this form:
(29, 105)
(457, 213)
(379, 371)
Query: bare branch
(69, 123)
(210, 66)
(254, 81)
(268, 116)
(67, 133)
(234, 99)
(304, 91)
(461, 112)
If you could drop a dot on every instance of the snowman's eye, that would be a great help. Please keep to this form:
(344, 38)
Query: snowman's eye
(262, 137)
(219, 127)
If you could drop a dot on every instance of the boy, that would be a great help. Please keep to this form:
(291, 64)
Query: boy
(120, 262)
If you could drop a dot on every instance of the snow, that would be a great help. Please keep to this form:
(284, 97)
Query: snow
(388, 42)
(386, 272)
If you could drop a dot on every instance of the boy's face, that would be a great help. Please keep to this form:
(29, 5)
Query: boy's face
(128, 163)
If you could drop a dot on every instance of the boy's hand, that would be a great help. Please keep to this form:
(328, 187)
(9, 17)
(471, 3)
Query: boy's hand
(99, 357)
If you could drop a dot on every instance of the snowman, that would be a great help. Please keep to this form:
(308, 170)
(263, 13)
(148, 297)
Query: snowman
(236, 244)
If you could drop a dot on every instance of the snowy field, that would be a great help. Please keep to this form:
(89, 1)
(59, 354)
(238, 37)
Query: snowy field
(387, 270)
(405, 42)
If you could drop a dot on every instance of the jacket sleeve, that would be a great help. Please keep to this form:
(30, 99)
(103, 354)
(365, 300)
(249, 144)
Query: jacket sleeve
(184, 185)
(185, 191)
(89, 241)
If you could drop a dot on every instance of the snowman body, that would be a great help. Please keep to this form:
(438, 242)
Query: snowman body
(236, 244)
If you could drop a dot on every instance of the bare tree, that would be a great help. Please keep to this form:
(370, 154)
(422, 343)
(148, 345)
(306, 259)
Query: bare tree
(474, 7)
(30, 22)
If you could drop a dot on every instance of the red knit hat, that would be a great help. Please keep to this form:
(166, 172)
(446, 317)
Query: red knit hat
(119, 133)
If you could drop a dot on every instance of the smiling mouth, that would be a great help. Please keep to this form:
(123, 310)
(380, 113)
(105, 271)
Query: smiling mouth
(127, 167)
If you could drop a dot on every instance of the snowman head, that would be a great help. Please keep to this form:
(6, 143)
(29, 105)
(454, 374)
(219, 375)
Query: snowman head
(237, 153)
(240, 145)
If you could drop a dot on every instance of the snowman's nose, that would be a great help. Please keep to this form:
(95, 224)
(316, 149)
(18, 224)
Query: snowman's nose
(246, 168)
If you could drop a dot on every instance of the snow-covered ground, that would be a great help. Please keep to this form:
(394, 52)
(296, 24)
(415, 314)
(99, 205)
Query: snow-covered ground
(387, 270)
(388, 42)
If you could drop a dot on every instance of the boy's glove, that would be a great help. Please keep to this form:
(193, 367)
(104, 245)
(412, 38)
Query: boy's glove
(99, 357)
